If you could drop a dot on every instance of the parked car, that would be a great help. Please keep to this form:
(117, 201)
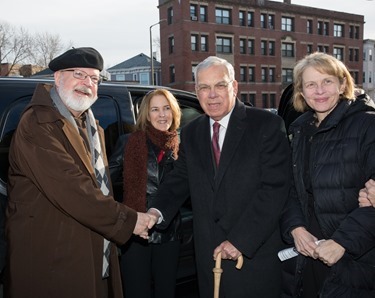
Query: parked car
(116, 109)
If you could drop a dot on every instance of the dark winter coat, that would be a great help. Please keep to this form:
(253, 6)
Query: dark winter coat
(156, 172)
(57, 216)
(342, 159)
(241, 202)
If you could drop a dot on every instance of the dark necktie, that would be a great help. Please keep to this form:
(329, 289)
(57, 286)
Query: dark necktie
(215, 142)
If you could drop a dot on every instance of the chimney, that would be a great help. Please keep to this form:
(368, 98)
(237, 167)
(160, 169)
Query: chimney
(288, 1)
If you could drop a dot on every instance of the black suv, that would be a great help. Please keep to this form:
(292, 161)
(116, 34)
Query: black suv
(116, 109)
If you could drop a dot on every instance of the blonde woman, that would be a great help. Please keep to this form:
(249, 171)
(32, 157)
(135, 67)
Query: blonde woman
(333, 146)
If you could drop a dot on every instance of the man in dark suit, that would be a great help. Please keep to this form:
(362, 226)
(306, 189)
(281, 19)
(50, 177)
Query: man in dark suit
(236, 200)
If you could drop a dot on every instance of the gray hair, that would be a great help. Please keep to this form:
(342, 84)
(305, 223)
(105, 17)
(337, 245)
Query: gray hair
(213, 61)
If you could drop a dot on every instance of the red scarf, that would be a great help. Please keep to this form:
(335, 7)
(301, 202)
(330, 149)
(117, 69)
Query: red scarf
(135, 163)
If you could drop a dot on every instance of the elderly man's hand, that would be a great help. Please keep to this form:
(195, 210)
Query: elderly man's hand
(228, 251)
(144, 220)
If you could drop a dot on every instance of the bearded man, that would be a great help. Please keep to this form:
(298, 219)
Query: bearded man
(61, 216)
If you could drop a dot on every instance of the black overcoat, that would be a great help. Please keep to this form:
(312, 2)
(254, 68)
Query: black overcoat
(240, 202)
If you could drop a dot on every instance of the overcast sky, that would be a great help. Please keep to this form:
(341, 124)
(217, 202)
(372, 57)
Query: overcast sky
(119, 29)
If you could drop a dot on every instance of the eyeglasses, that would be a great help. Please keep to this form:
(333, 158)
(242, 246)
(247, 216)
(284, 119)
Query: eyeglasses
(219, 87)
(81, 75)
(313, 86)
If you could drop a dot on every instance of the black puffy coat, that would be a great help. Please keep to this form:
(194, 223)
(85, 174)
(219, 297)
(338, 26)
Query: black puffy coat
(342, 159)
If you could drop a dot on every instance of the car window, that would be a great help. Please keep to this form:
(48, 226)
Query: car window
(105, 110)
(188, 114)
(10, 121)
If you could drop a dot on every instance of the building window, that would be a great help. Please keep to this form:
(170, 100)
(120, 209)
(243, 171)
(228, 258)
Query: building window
(370, 55)
(204, 43)
(351, 54)
(242, 73)
(241, 18)
(355, 77)
(222, 16)
(251, 74)
(172, 74)
(273, 100)
(144, 78)
(170, 15)
(252, 100)
(364, 77)
(263, 47)
(338, 30)
(194, 42)
(356, 32)
(356, 55)
(194, 12)
(203, 13)
(243, 97)
(351, 31)
(271, 21)
(263, 20)
(264, 100)
(271, 74)
(320, 28)
(287, 24)
(121, 77)
(250, 19)
(287, 50)
(250, 46)
(223, 45)
(271, 48)
(309, 26)
(193, 66)
(338, 53)
(322, 48)
(242, 46)
(326, 28)
(264, 74)
(287, 75)
(171, 44)
(309, 49)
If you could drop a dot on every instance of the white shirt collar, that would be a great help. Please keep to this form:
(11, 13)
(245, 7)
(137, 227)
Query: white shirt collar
(224, 121)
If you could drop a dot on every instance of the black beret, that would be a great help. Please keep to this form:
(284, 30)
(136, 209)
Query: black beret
(77, 57)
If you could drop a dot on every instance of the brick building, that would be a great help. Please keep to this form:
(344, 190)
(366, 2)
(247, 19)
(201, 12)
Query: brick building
(262, 39)
(369, 67)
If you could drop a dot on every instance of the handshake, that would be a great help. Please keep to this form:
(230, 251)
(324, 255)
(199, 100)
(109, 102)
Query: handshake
(145, 222)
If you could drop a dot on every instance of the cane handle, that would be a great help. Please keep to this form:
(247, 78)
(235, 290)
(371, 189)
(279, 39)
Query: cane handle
(239, 262)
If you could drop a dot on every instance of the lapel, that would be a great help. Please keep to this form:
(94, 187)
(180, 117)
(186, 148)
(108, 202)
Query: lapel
(233, 136)
(42, 97)
(77, 144)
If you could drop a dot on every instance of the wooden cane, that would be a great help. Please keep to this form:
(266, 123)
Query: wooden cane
(217, 272)
(217, 275)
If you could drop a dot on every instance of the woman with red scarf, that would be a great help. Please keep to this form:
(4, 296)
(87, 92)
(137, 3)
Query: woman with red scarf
(149, 267)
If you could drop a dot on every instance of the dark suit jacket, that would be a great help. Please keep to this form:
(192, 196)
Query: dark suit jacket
(240, 202)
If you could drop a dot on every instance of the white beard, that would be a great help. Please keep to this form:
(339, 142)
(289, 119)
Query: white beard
(74, 102)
